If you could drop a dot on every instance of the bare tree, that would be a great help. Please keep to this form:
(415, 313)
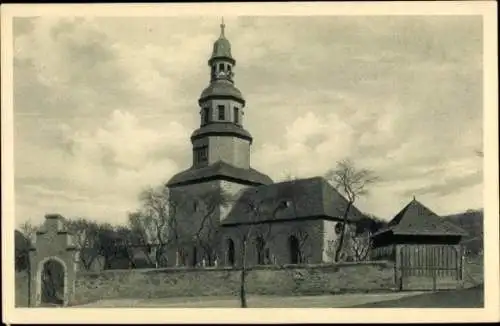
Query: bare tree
(257, 228)
(85, 234)
(208, 232)
(152, 223)
(302, 237)
(361, 236)
(353, 183)
(157, 222)
(28, 230)
(361, 244)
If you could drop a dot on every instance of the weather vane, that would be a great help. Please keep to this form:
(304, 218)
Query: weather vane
(222, 26)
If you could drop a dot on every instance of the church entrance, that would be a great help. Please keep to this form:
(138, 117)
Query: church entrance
(52, 283)
(294, 248)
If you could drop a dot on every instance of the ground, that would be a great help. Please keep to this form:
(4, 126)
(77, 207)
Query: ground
(321, 301)
(467, 298)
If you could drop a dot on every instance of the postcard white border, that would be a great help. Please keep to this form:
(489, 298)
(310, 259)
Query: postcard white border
(487, 9)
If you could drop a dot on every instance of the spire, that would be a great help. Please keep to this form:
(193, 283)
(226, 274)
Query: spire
(222, 27)
(222, 47)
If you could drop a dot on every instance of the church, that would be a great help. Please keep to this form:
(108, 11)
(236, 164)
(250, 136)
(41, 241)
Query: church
(291, 222)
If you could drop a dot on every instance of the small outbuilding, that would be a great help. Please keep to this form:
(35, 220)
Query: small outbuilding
(425, 248)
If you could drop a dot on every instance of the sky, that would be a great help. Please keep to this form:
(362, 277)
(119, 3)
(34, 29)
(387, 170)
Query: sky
(104, 107)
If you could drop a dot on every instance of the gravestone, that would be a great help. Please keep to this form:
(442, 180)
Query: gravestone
(53, 264)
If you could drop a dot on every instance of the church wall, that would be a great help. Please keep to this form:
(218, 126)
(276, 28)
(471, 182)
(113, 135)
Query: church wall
(231, 150)
(188, 220)
(189, 216)
(308, 233)
(329, 238)
(241, 148)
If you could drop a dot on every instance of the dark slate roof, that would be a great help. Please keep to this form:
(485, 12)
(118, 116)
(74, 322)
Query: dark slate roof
(416, 219)
(303, 198)
(221, 88)
(219, 170)
(221, 128)
(222, 48)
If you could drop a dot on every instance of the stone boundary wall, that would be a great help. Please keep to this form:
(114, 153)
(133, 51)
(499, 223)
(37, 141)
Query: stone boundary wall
(287, 280)
(263, 280)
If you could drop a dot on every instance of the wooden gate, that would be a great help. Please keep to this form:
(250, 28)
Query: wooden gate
(429, 267)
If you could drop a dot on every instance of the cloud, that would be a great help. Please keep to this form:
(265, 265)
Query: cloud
(311, 145)
(447, 186)
(105, 106)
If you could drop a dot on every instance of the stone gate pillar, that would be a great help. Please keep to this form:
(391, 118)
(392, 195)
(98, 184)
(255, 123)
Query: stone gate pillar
(53, 243)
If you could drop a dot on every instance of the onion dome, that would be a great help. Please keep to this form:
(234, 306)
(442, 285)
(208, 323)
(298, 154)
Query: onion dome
(221, 89)
(222, 48)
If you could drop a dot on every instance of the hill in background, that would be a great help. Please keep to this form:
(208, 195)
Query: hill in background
(472, 222)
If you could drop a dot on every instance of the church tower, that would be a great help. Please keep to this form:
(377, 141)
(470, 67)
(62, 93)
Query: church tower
(221, 136)
(221, 145)
(221, 155)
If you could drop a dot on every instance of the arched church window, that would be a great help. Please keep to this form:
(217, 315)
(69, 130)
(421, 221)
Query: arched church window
(294, 249)
(260, 244)
(230, 252)
(267, 256)
(221, 67)
(194, 257)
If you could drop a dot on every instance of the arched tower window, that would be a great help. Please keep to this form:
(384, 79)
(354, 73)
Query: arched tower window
(206, 116)
(236, 113)
(294, 249)
(221, 112)
(230, 252)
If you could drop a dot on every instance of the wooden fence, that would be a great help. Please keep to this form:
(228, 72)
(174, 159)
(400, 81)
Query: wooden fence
(427, 267)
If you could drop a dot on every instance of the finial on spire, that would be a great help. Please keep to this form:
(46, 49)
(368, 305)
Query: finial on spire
(222, 26)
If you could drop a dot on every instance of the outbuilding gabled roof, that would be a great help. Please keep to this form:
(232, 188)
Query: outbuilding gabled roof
(290, 200)
(417, 219)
